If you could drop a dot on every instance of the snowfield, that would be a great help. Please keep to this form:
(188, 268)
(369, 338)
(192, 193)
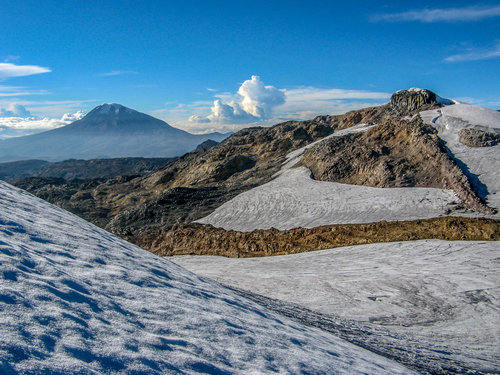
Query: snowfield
(294, 199)
(438, 302)
(75, 299)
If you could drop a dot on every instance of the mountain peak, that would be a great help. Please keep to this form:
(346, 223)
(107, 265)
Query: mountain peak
(107, 108)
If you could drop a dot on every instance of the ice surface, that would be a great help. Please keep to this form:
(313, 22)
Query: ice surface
(482, 164)
(294, 199)
(436, 299)
(75, 299)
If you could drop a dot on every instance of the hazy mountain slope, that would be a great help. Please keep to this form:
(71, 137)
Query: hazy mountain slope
(78, 300)
(109, 130)
(188, 187)
(81, 169)
(430, 303)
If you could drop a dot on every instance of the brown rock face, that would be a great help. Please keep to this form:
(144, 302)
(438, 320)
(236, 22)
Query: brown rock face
(198, 239)
(478, 138)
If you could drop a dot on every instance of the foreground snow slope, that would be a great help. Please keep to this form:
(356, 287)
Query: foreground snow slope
(438, 300)
(293, 199)
(482, 164)
(75, 299)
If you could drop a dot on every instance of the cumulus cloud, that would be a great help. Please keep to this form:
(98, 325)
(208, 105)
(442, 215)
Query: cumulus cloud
(18, 126)
(254, 102)
(465, 14)
(15, 110)
(8, 70)
(258, 99)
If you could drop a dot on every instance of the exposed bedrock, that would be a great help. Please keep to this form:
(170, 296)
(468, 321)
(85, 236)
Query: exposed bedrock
(406, 102)
(201, 239)
(478, 138)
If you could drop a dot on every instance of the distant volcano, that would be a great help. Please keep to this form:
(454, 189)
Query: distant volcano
(108, 131)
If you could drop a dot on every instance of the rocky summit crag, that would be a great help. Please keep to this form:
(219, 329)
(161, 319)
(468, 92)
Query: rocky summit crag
(398, 151)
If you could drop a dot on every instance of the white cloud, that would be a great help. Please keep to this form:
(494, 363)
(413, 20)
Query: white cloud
(15, 110)
(307, 102)
(465, 14)
(199, 120)
(18, 126)
(257, 104)
(476, 55)
(258, 99)
(253, 102)
(8, 70)
(11, 58)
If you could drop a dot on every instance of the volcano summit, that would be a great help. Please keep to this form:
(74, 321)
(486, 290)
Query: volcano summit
(108, 131)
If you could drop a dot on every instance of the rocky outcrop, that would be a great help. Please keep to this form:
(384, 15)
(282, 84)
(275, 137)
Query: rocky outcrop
(206, 145)
(407, 102)
(199, 239)
(392, 154)
(478, 138)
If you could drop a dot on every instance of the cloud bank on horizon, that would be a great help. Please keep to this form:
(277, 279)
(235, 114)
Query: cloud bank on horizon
(16, 120)
(258, 104)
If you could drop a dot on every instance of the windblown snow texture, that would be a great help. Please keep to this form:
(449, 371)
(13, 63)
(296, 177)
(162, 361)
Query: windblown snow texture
(75, 299)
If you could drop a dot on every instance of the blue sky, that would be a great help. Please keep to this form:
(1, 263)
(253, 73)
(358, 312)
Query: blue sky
(223, 65)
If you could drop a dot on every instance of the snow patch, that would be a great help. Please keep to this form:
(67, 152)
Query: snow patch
(294, 199)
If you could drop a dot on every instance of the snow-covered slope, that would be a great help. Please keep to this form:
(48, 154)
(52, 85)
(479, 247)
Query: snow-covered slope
(75, 299)
(482, 163)
(438, 300)
(293, 199)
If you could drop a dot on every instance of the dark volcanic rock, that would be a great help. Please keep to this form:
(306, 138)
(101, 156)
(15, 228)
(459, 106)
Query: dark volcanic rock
(406, 102)
(478, 138)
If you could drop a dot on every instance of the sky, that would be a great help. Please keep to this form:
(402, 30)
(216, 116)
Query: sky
(224, 65)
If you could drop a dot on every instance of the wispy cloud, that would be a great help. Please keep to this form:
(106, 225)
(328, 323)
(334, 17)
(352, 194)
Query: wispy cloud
(118, 73)
(465, 14)
(11, 58)
(8, 70)
(14, 91)
(476, 55)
